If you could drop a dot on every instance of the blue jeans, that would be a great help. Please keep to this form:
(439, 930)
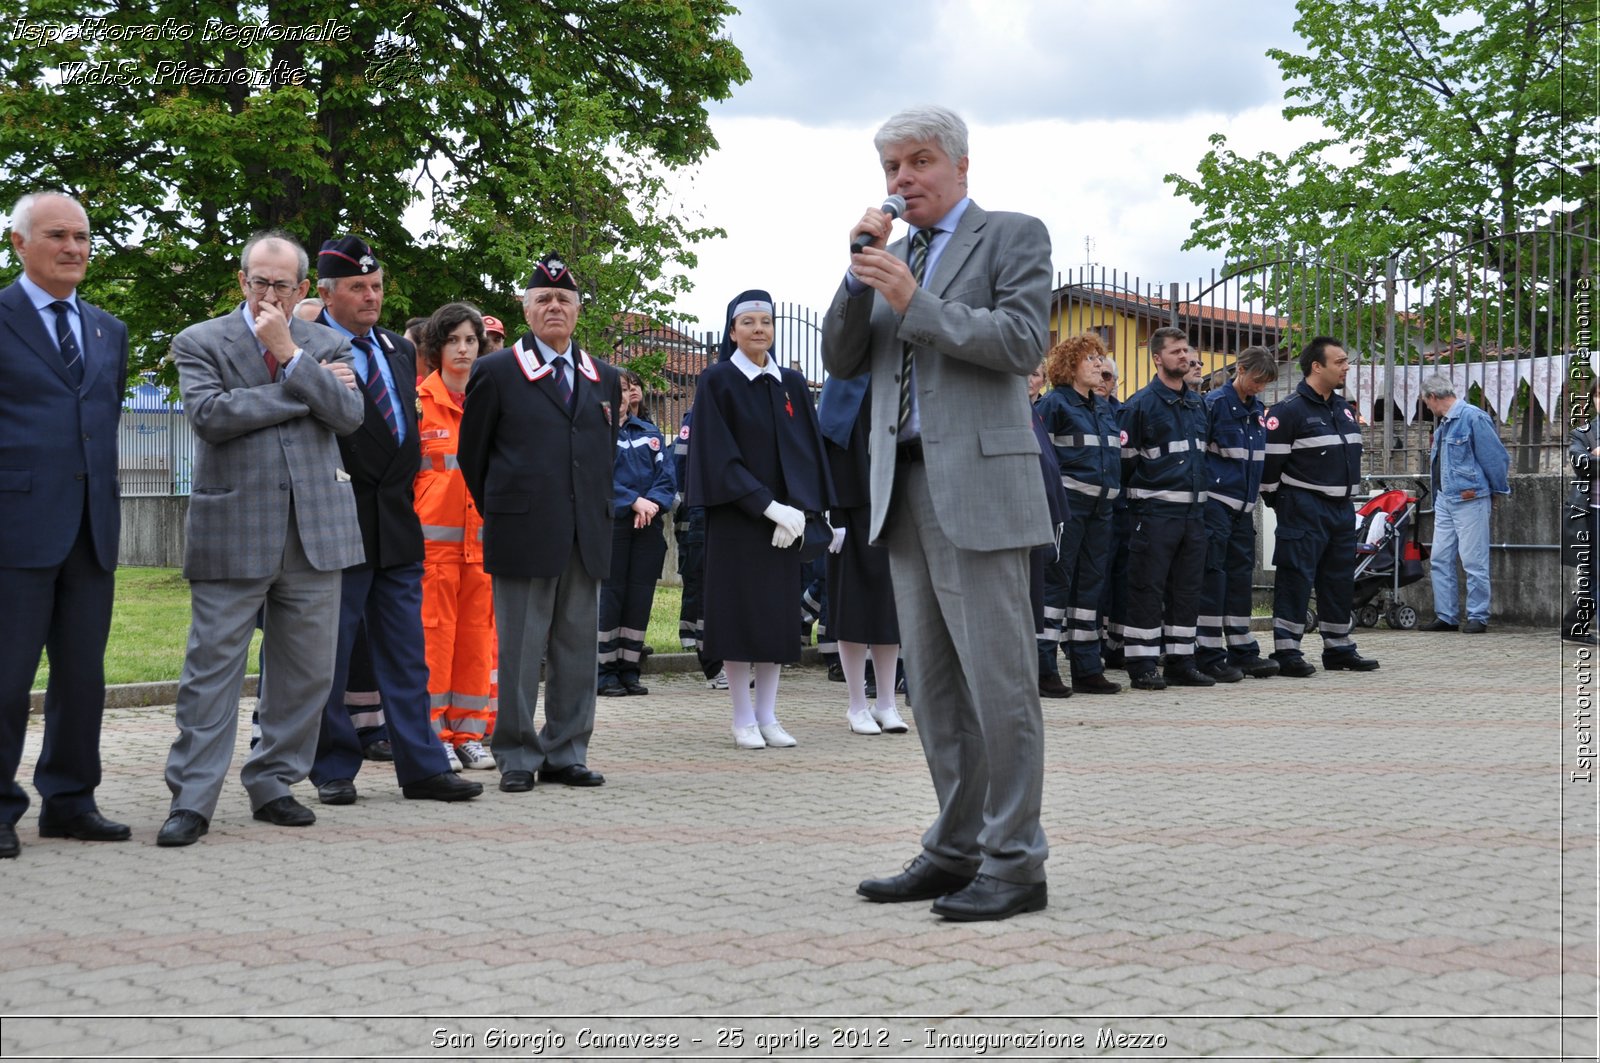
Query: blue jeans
(1461, 530)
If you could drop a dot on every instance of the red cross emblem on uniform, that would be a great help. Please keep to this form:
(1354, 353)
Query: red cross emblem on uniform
(788, 405)
(1348, 414)
(1124, 437)
(683, 433)
(1272, 422)
(655, 444)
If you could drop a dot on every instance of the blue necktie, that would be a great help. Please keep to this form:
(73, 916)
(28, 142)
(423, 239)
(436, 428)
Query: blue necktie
(559, 366)
(71, 356)
(376, 387)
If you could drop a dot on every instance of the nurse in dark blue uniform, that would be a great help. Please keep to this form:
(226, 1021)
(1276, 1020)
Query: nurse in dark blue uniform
(757, 465)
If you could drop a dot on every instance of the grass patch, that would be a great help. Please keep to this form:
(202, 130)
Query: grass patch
(150, 627)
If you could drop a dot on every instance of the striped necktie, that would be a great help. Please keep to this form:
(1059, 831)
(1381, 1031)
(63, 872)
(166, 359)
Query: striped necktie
(919, 268)
(558, 366)
(71, 356)
(376, 388)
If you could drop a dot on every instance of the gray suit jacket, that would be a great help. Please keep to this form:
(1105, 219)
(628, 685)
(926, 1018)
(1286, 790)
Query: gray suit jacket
(979, 325)
(259, 442)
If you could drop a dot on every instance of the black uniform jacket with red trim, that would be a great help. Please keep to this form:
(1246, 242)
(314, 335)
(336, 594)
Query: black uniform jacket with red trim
(538, 468)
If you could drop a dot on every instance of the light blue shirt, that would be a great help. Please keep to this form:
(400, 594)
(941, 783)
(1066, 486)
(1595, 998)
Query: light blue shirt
(359, 361)
(42, 299)
(548, 354)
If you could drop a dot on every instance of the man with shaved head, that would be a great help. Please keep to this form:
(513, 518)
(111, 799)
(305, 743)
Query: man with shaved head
(63, 367)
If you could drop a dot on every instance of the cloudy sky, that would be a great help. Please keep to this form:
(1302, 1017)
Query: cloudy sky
(1076, 108)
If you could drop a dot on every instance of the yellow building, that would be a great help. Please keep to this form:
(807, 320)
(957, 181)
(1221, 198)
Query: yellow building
(1124, 320)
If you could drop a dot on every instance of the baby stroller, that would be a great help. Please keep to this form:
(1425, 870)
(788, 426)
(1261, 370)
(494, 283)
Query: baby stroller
(1389, 555)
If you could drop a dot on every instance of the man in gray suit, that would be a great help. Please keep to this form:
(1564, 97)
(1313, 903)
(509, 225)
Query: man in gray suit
(950, 322)
(272, 522)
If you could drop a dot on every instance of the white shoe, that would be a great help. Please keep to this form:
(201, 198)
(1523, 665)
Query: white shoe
(888, 719)
(862, 722)
(719, 683)
(749, 738)
(450, 756)
(472, 755)
(775, 734)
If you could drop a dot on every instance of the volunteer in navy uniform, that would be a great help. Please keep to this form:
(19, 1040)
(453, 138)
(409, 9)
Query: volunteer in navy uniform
(1086, 445)
(1164, 473)
(757, 465)
(641, 491)
(1311, 476)
(538, 442)
(1236, 450)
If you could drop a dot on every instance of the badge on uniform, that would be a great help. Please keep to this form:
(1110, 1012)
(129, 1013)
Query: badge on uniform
(1272, 422)
(683, 433)
(655, 444)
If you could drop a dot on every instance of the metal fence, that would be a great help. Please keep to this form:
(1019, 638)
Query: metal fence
(1506, 316)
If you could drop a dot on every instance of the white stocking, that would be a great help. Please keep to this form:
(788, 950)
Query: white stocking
(739, 689)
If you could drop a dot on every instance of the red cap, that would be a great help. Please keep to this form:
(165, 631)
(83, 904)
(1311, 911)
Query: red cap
(492, 324)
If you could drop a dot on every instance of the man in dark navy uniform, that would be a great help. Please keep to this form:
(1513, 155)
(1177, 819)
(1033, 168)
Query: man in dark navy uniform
(1311, 474)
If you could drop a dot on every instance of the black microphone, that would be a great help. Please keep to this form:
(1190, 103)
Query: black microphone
(894, 206)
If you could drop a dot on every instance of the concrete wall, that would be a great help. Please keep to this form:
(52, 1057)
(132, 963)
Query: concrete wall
(1527, 582)
(152, 531)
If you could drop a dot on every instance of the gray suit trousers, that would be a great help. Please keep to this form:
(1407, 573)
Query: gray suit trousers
(302, 621)
(966, 631)
(538, 618)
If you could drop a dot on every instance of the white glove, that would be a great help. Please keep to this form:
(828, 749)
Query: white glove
(782, 537)
(838, 541)
(788, 518)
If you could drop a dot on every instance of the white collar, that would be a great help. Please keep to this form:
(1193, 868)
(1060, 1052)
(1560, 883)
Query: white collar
(751, 370)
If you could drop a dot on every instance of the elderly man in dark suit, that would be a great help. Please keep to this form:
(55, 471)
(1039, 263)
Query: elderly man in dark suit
(950, 322)
(382, 458)
(539, 427)
(63, 368)
(271, 522)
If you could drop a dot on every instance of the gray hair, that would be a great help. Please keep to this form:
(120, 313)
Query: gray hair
(1257, 362)
(1438, 386)
(938, 124)
(1111, 366)
(304, 261)
(22, 213)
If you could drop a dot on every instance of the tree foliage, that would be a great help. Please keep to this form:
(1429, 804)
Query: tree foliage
(524, 126)
(1439, 117)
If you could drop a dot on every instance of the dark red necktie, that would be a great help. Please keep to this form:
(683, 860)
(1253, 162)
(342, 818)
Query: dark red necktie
(376, 388)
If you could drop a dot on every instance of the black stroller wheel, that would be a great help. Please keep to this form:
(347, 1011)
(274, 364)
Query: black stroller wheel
(1367, 615)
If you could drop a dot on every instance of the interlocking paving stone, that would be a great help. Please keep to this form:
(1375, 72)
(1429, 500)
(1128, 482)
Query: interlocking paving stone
(1351, 864)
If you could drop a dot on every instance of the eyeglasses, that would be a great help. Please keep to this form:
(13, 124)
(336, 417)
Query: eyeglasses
(261, 287)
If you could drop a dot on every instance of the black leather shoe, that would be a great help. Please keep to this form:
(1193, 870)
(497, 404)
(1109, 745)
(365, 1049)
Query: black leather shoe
(835, 671)
(1295, 667)
(379, 750)
(1095, 684)
(922, 880)
(1051, 686)
(285, 812)
(1114, 659)
(182, 828)
(635, 689)
(86, 827)
(992, 898)
(1224, 673)
(516, 782)
(445, 786)
(572, 775)
(337, 792)
(1437, 624)
(1150, 680)
(613, 690)
(1475, 627)
(1258, 667)
(9, 846)
(1350, 663)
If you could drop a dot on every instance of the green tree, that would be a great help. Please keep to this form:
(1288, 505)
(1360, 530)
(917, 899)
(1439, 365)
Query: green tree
(525, 127)
(1438, 117)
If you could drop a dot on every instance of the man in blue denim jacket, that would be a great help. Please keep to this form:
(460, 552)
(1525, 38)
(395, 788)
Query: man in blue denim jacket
(1470, 467)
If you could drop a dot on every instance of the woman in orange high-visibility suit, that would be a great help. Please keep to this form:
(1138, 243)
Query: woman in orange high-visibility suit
(457, 600)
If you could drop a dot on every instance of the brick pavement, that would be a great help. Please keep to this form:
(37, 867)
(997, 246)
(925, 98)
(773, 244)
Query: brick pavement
(1350, 865)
